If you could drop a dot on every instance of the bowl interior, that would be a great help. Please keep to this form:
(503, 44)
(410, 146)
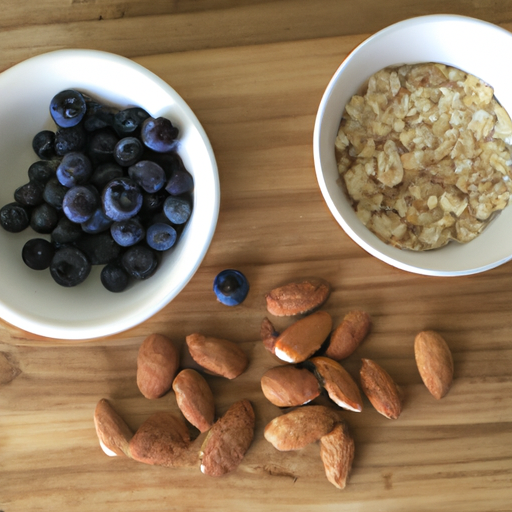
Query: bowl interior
(466, 43)
(30, 299)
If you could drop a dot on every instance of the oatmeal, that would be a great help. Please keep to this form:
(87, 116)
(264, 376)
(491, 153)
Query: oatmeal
(425, 155)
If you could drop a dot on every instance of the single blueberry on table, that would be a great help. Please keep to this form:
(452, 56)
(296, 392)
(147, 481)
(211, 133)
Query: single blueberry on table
(37, 253)
(68, 108)
(160, 236)
(231, 287)
(177, 209)
(69, 266)
(114, 278)
(14, 217)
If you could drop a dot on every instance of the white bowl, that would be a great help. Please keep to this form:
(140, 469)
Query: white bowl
(474, 46)
(31, 300)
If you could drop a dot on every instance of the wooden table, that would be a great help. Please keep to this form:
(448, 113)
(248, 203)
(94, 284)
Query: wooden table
(254, 73)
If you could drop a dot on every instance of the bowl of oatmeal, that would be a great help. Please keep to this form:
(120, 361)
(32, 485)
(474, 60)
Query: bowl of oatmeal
(412, 145)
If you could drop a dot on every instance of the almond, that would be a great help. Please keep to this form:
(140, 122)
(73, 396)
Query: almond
(381, 389)
(297, 297)
(162, 440)
(434, 361)
(216, 355)
(157, 363)
(113, 433)
(348, 335)
(303, 338)
(339, 384)
(268, 335)
(288, 386)
(228, 440)
(194, 398)
(337, 454)
(300, 427)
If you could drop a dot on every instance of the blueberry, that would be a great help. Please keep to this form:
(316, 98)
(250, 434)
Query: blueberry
(80, 203)
(100, 248)
(114, 278)
(139, 261)
(66, 232)
(101, 145)
(127, 232)
(42, 170)
(104, 173)
(37, 253)
(128, 151)
(75, 168)
(44, 218)
(30, 194)
(97, 223)
(152, 203)
(68, 108)
(159, 134)
(70, 139)
(177, 209)
(230, 287)
(121, 199)
(98, 116)
(14, 217)
(54, 193)
(43, 144)
(180, 182)
(69, 266)
(160, 236)
(148, 175)
(127, 121)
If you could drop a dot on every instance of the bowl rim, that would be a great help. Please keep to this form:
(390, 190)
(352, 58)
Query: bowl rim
(375, 246)
(50, 329)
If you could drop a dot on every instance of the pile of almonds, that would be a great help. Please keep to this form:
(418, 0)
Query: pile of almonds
(309, 352)
(312, 351)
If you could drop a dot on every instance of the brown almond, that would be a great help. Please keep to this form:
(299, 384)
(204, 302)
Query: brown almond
(381, 389)
(288, 386)
(157, 363)
(299, 297)
(434, 361)
(218, 356)
(300, 427)
(337, 454)
(303, 338)
(162, 440)
(268, 335)
(339, 384)
(228, 440)
(194, 398)
(113, 433)
(348, 335)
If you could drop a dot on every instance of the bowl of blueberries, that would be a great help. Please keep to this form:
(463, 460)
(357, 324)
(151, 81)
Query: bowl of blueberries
(110, 194)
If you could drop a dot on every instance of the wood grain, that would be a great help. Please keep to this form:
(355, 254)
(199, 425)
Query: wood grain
(254, 73)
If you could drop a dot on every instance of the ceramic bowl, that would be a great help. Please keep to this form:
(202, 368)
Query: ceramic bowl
(469, 44)
(31, 300)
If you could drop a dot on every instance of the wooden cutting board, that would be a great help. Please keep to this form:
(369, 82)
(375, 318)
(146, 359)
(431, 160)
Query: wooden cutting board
(258, 104)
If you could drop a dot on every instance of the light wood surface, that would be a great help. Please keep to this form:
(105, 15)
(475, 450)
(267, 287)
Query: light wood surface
(254, 73)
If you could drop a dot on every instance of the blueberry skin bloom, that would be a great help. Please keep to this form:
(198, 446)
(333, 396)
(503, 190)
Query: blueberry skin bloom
(161, 236)
(74, 169)
(231, 287)
(80, 203)
(122, 199)
(177, 209)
